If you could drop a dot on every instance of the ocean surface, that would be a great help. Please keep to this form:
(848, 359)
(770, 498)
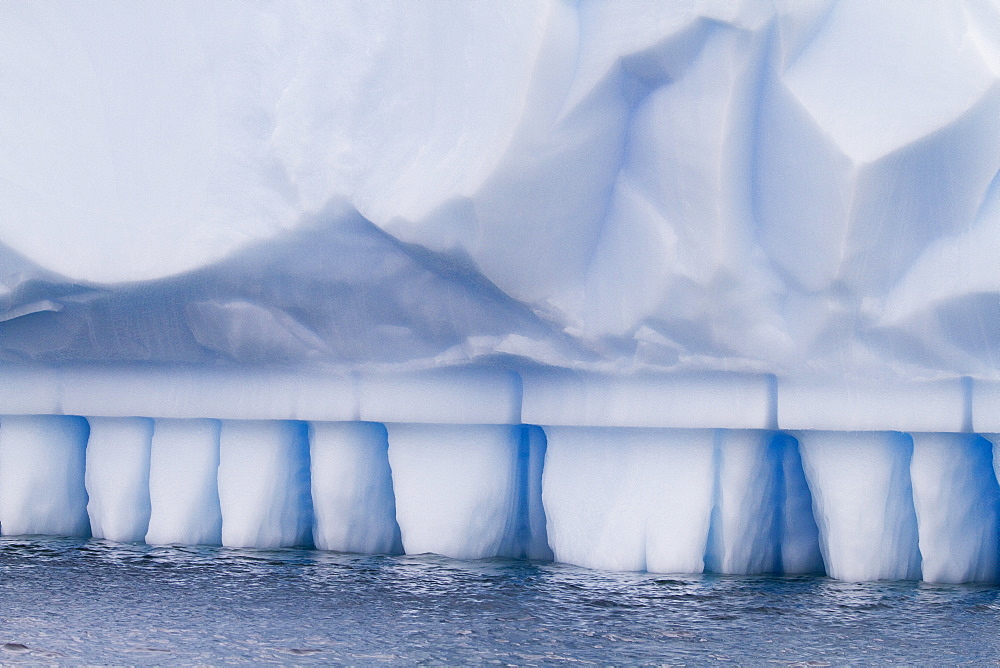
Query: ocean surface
(75, 601)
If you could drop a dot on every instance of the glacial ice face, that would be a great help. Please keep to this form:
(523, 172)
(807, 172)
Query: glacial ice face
(673, 286)
(786, 188)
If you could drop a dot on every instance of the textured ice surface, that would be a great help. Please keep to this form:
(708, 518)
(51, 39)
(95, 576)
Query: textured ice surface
(42, 475)
(957, 500)
(456, 488)
(264, 490)
(806, 188)
(858, 505)
(352, 496)
(531, 280)
(183, 483)
(629, 499)
(863, 502)
(117, 477)
(762, 519)
(675, 500)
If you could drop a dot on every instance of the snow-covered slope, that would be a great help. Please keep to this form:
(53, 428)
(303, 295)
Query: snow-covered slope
(664, 285)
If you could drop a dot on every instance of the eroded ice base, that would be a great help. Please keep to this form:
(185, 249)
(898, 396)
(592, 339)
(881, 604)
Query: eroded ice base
(442, 463)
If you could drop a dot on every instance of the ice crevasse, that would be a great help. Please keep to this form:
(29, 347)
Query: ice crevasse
(678, 287)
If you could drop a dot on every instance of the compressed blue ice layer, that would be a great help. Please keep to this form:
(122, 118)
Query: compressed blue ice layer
(853, 505)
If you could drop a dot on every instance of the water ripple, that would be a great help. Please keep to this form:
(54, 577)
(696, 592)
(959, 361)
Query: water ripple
(72, 601)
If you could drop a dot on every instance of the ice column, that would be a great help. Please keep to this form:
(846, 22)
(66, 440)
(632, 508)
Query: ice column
(118, 477)
(629, 499)
(264, 483)
(183, 483)
(456, 488)
(956, 497)
(863, 503)
(762, 521)
(353, 500)
(42, 475)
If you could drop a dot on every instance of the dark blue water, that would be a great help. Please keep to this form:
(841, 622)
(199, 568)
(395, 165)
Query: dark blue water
(71, 601)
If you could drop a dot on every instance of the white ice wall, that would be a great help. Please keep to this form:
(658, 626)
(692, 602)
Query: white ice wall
(354, 504)
(629, 499)
(42, 475)
(456, 488)
(957, 501)
(762, 518)
(663, 231)
(117, 477)
(183, 483)
(863, 503)
(264, 486)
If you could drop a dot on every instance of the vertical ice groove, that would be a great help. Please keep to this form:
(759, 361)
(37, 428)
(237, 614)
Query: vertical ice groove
(117, 477)
(264, 486)
(956, 498)
(532, 537)
(714, 546)
(456, 487)
(762, 521)
(42, 460)
(772, 401)
(968, 391)
(746, 520)
(183, 483)
(354, 504)
(799, 548)
(863, 503)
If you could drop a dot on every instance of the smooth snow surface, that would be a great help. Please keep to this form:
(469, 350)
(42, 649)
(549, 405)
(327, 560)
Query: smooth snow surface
(704, 400)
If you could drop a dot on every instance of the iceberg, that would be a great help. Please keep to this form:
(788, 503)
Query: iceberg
(679, 287)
